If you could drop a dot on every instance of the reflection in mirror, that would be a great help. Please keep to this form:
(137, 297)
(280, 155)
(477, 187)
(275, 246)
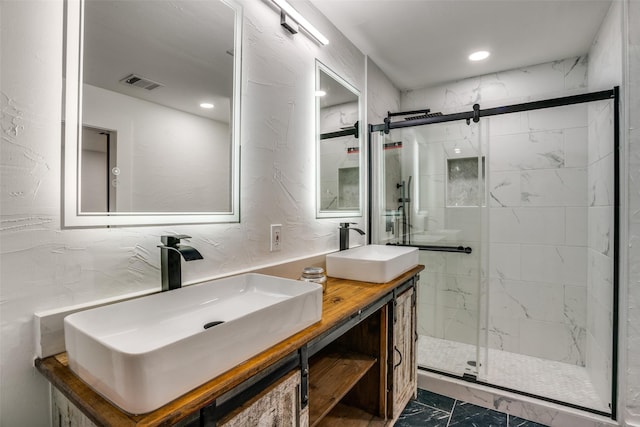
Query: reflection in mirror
(155, 137)
(338, 146)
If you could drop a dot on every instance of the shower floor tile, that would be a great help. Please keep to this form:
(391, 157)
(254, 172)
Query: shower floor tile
(556, 380)
(444, 355)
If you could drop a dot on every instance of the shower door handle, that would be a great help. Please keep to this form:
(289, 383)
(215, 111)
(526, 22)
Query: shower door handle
(436, 248)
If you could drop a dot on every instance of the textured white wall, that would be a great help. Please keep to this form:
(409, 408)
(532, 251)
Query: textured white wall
(382, 95)
(44, 266)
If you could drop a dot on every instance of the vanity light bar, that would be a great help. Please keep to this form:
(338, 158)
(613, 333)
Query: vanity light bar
(287, 9)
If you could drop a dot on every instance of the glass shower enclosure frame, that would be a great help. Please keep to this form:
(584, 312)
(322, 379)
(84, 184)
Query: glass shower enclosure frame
(455, 201)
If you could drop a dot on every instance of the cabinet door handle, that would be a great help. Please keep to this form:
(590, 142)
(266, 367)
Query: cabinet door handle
(400, 354)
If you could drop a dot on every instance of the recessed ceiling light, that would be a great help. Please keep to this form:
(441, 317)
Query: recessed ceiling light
(320, 93)
(457, 150)
(206, 105)
(479, 55)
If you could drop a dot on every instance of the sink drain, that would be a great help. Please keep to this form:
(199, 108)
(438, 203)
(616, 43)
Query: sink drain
(212, 324)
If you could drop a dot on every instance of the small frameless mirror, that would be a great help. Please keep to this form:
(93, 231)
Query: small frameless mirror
(338, 146)
(152, 115)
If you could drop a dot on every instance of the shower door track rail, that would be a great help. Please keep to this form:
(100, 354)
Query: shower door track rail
(477, 112)
(435, 248)
(350, 130)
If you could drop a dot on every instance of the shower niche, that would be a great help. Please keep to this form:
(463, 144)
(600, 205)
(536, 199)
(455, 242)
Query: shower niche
(463, 188)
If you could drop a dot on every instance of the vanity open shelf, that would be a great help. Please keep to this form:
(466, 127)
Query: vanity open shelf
(331, 377)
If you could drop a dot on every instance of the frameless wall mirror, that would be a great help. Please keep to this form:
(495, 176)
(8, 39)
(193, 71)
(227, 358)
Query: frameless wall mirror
(152, 114)
(338, 146)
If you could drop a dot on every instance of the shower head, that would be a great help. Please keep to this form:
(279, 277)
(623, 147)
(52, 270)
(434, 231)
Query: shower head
(423, 116)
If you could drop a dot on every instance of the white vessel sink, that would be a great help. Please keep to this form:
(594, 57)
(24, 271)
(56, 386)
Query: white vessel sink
(141, 354)
(372, 263)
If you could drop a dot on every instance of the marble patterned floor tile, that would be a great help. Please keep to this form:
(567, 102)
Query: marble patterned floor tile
(519, 422)
(436, 401)
(469, 415)
(416, 414)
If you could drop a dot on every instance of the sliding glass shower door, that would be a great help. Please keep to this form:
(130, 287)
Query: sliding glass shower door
(432, 195)
(551, 244)
(514, 218)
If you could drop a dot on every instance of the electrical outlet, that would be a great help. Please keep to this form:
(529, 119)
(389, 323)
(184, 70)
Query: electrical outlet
(276, 237)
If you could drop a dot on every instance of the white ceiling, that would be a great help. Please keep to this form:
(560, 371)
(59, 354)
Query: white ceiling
(420, 43)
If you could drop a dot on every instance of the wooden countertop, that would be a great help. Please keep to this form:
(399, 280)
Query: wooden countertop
(341, 299)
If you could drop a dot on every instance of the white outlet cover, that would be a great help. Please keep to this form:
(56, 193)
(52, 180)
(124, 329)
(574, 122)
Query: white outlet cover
(276, 237)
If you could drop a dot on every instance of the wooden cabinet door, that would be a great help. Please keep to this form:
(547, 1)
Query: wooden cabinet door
(278, 405)
(404, 353)
(66, 414)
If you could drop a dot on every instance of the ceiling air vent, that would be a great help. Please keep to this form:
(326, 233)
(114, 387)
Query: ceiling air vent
(141, 82)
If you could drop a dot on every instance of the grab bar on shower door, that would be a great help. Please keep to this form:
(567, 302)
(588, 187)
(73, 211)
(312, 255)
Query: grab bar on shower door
(457, 249)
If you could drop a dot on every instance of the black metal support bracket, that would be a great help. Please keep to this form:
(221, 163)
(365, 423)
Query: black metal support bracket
(353, 130)
(215, 411)
(476, 114)
(304, 381)
(208, 416)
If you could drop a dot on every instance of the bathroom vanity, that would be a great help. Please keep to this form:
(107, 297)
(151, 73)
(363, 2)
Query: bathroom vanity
(358, 363)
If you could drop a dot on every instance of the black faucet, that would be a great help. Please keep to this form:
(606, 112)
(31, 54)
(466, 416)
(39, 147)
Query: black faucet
(170, 253)
(344, 234)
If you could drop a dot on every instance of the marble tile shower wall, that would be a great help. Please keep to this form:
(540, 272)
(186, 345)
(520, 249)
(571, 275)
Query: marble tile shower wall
(538, 210)
(538, 223)
(605, 71)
